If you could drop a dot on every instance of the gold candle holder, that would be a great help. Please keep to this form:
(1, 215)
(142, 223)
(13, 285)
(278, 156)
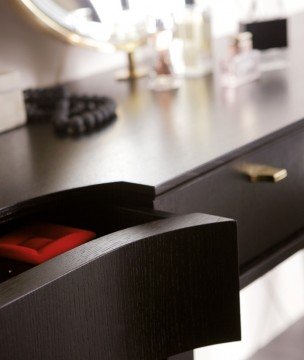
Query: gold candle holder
(129, 33)
(132, 72)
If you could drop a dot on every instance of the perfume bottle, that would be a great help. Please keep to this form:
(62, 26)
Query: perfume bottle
(162, 76)
(267, 21)
(243, 62)
(193, 34)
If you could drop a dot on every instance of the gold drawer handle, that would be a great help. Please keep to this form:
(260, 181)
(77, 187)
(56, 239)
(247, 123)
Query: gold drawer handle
(259, 172)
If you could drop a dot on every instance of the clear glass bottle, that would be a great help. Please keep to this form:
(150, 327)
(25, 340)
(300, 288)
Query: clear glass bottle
(243, 63)
(193, 36)
(162, 76)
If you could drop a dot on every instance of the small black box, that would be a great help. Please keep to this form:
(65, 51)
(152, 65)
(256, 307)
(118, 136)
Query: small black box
(267, 34)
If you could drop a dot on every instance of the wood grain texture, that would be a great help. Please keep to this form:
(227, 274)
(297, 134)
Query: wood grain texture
(267, 213)
(96, 197)
(147, 293)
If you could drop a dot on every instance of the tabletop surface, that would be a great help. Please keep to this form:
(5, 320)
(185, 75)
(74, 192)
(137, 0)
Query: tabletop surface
(158, 139)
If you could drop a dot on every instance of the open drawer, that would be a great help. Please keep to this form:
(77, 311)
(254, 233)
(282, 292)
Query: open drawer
(150, 286)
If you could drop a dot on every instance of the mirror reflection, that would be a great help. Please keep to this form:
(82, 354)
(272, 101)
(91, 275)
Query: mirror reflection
(94, 19)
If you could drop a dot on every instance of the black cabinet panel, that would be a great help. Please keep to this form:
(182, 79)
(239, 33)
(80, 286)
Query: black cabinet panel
(266, 213)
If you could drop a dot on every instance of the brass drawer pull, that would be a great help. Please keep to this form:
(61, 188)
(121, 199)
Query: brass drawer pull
(259, 172)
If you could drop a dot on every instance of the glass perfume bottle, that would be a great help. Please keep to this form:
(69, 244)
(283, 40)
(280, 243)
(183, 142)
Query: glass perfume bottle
(243, 63)
(193, 33)
(162, 76)
(267, 21)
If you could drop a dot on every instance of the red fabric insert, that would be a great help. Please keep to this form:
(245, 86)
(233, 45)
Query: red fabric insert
(36, 242)
(39, 242)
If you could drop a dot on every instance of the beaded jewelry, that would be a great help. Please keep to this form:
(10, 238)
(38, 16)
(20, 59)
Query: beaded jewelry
(69, 114)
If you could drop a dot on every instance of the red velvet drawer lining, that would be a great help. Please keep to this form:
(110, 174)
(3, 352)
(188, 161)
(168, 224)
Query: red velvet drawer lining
(39, 242)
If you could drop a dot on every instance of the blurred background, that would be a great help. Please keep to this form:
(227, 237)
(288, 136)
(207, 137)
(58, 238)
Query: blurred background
(30, 51)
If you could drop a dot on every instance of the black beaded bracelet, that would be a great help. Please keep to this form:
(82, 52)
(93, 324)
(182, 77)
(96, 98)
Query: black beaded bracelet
(69, 114)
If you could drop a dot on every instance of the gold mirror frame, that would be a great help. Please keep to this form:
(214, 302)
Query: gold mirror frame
(37, 16)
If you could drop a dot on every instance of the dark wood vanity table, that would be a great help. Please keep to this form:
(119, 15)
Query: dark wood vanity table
(173, 152)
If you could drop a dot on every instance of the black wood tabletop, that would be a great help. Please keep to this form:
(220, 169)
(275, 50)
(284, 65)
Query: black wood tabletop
(158, 139)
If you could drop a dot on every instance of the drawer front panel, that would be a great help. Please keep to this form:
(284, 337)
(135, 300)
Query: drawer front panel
(266, 212)
(128, 295)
